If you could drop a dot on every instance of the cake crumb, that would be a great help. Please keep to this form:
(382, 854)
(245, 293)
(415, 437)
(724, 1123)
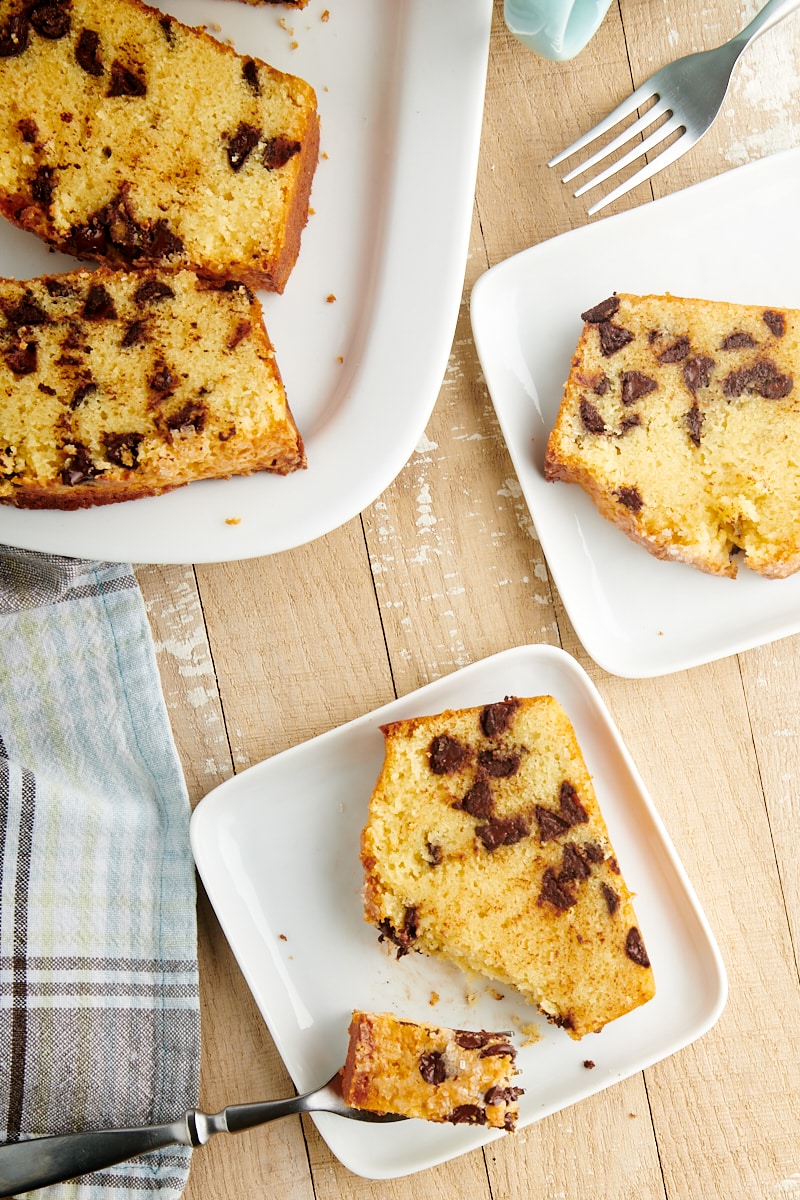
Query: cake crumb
(434, 999)
(330, 298)
(233, 520)
(589, 1064)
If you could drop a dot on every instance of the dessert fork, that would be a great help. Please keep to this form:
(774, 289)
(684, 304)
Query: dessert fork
(37, 1162)
(688, 92)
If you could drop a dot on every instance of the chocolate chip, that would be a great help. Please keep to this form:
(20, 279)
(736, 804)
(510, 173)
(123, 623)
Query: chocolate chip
(738, 341)
(496, 718)
(123, 448)
(496, 1049)
(86, 52)
(27, 311)
(675, 352)
(57, 287)
(551, 825)
(434, 853)
(471, 1039)
(503, 1095)
(189, 419)
(590, 416)
(167, 24)
(630, 497)
(99, 305)
(478, 801)
(243, 330)
(569, 806)
(14, 36)
(241, 144)
(404, 937)
(630, 422)
(51, 21)
(125, 82)
(555, 892)
(48, 391)
(602, 311)
(135, 334)
(570, 812)
(601, 385)
(85, 389)
(697, 372)
(694, 423)
(162, 380)
(611, 898)
(21, 358)
(636, 384)
(467, 1114)
(635, 949)
(446, 754)
(43, 186)
(613, 338)
(163, 243)
(498, 765)
(761, 377)
(152, 289)
(503, 831)
(78, 468)
(573, 864)
(277, 152)
(432, 1067)
(592, 852)
(775, 322)
(250, 76)
(28, 129)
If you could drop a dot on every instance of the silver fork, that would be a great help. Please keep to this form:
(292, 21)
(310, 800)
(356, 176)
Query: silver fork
(688, 92)
(37, 1162)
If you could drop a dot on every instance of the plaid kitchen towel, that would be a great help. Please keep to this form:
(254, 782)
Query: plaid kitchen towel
(99, 1011)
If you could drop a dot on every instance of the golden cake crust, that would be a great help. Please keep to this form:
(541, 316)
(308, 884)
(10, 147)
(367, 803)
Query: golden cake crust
(455, 1076)
(681, 418)
(485, 844)
(118, 385)
(132, 139)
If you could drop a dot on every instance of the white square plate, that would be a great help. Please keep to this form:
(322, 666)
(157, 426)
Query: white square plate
(400, 87)
(736, 238)
(277, 848)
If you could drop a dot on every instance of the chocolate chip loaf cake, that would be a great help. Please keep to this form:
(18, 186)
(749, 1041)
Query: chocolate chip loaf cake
(459, 1076)
(116, 385)
(131, 139)
(485, 844)
(681, 419)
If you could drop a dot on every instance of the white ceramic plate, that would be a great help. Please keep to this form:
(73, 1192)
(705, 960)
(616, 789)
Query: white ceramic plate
(277, 848)
(400, 86)
(736, 238)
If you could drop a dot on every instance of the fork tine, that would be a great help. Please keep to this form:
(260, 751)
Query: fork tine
(673, 152)
(631, 131)
(655, 138)
(644, 92)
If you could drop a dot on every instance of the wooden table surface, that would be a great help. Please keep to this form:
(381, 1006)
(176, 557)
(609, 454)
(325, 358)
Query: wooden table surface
(445, 568)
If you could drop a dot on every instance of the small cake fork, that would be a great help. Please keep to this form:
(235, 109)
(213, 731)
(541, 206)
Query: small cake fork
(689, 93)
(37, 1162)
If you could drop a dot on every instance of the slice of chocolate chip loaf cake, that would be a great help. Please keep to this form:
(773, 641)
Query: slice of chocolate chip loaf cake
(115, 385)
(485, 844)
(134, 140)
(681, 419)
(455, 1076)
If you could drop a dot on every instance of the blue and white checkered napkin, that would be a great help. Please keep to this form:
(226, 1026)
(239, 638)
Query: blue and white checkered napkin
(99, 1010)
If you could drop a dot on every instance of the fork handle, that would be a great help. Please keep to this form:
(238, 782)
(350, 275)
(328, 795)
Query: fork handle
(772, 12)
(37, 1162)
